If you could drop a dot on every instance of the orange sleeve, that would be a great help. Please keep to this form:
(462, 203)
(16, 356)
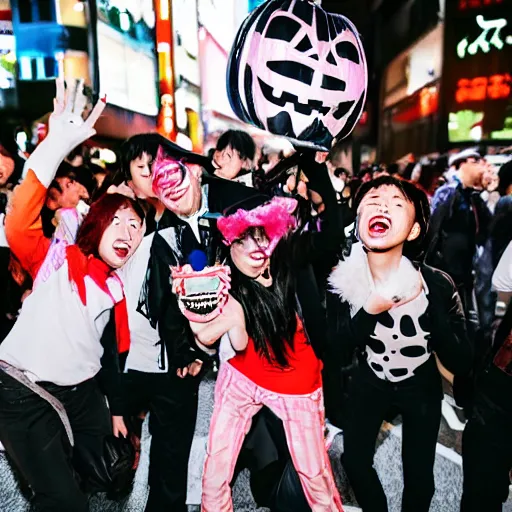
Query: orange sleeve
(23, 226)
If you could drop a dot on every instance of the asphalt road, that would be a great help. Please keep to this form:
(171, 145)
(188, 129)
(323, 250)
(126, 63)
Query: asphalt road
(448, 472)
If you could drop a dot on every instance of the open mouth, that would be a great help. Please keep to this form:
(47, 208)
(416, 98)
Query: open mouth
(201, 303)
(259, 256)
(302, 108)
(201, 294)
(379, 225)
(122, 249)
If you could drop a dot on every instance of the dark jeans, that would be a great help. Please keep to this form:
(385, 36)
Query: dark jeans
(371, 401)
(35, 440)
(172, 404)
(487, 458)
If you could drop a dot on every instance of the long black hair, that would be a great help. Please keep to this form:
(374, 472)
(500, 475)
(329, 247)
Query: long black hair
(270, 313)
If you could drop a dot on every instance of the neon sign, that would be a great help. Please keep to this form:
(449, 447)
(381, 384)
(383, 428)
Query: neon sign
(495, 87)
(464, 47)
(475, 4)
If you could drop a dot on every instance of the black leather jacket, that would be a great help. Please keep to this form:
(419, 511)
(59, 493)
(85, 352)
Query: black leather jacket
(347, 337)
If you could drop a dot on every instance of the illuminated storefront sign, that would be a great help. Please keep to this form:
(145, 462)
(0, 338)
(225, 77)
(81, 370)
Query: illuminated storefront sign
(422, 104)
(477, 4)
(477, 77)
(491, 36)
(495, 87)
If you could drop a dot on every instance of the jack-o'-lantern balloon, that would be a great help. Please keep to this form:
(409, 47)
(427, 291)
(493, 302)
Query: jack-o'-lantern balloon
(298, 71)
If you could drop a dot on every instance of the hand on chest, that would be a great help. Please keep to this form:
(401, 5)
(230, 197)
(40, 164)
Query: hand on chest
(399, 344)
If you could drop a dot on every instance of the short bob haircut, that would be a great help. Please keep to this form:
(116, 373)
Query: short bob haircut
(415, 195)
(98, 219)
(135, 147)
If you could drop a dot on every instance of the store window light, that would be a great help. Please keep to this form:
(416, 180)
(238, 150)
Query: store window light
(124, 20)
(184, 141)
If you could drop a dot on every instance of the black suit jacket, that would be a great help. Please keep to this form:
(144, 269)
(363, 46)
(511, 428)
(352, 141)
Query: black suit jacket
(161, 305)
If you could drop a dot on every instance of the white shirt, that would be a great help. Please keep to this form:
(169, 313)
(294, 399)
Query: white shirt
(56, 338)
(193, 220)
(502, 277)
(145, 351)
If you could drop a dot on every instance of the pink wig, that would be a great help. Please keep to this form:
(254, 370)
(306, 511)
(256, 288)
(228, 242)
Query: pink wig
(168, 173)
(275, 217)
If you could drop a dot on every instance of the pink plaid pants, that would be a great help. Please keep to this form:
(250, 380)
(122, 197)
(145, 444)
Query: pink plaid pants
(237, 400)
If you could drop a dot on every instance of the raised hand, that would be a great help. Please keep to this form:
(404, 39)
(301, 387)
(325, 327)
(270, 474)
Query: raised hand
(66, 122)
(67, 129)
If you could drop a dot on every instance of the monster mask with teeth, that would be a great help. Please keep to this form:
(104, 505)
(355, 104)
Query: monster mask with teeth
(201, 294)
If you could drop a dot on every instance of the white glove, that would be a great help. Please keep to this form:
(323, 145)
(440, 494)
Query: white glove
(67, 130)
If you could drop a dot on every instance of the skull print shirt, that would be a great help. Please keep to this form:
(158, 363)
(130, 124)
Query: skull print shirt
(400, 344)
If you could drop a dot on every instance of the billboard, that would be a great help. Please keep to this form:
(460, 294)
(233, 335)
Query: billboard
(127, 54)
(477, 77)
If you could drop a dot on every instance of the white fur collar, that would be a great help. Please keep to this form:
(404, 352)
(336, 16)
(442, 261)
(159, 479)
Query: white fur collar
(352, 281)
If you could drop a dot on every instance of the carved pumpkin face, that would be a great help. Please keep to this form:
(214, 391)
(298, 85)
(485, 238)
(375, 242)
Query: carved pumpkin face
(201, 294)
(298, 71)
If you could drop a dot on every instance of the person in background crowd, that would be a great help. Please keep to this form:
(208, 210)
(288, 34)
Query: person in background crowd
(459, 225)
(487, 443)
(234, 154)
(452, 174)
(70, 186)
(500, 229)
(99, 174)
(460, 222)
(49, 360)
(380, 170)
(398, 320)
(427, 177)
(29, 226)
(485, 263)
(490, 183)
(76, 157)
(133, 175)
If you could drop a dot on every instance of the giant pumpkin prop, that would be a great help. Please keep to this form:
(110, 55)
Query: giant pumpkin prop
(298, 71)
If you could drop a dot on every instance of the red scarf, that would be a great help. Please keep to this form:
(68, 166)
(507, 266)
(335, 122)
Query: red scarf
(80, 266)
